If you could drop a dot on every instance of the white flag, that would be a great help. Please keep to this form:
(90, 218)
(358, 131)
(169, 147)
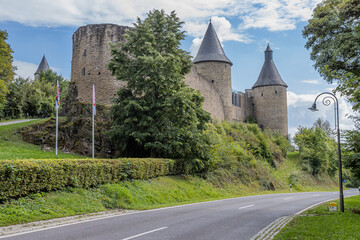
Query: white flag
(94, 102)
(57, 96)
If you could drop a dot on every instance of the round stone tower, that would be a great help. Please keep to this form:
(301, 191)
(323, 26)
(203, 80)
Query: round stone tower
(91, 54)
(270, 98)
(212, 64)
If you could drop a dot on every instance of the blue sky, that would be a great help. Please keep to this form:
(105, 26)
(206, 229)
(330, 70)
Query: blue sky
(38, 27)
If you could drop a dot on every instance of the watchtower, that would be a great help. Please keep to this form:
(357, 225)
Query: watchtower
(270, 100)
(212, 64)
(91, 54)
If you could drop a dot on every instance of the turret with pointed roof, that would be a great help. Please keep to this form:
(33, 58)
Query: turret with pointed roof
(270, 97)
(213, 66)
(210, 48)
(269, 75)
(43, 66)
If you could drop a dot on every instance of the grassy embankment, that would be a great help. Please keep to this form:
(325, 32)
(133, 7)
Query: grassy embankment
(319, 223)
(139, 194)
(13, 147)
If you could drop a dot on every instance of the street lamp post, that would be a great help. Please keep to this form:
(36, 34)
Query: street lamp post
(327, 101)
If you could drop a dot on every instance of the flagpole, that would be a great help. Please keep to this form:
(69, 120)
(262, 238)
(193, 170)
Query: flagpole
(93, 125)
(57, 117)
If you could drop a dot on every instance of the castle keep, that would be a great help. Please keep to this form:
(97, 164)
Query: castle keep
(266, 102)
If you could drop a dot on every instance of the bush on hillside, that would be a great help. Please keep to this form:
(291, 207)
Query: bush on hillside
(317, 150)
(21, 177)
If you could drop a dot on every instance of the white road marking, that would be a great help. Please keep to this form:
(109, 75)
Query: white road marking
(246, 206)
(142, 234)
(288, 198)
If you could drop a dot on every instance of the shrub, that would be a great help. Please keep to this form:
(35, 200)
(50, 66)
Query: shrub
(21, 177)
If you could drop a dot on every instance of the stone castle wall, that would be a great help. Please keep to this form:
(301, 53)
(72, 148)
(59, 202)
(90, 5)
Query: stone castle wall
(212, 103)
(270, 106)
(91, 54)
(218, 74)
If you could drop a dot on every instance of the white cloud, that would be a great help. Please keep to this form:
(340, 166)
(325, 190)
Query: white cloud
(300, 115)
(223, 29)
(314, 81)
(25, 69)
(274, 15)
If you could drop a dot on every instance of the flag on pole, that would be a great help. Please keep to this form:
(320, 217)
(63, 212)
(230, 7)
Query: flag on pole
(57, 96)
(94, 102)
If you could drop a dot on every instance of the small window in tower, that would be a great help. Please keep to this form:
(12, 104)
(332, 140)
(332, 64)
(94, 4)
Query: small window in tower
(212, 81)
(99, 73)
(83, 72)
(262, 94)
(276, 92)
(84, 54)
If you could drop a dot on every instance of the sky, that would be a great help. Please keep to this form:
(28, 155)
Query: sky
(244, 27)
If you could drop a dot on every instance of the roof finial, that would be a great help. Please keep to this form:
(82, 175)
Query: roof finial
(210, 19)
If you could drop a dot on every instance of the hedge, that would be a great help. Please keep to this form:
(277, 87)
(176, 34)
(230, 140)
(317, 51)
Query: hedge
(21, 177)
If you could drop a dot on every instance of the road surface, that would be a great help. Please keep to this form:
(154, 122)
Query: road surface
(15, 121)
(236, 218)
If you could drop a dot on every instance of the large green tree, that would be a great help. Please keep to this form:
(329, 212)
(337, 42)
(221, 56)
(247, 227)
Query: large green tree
(156, 115)
(333, 35)
(351, 148)
(6, 67)
(317, 150)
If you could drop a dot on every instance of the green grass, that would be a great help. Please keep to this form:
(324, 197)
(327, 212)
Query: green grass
(136, 194)
(319, 223)
(13, 147)
(154, 193)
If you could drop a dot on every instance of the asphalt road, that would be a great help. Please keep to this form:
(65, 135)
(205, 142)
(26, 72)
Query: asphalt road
(15, 121)
(236, 218)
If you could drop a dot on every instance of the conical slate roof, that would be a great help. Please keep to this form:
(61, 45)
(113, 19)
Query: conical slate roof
(269, 75)
(210, 48)
(43, 66)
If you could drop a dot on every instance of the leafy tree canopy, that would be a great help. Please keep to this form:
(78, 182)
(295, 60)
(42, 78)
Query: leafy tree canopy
(317, 150)
(351, 148)
(33, 98)
(156, 115)
(333, 34)
(6, 68)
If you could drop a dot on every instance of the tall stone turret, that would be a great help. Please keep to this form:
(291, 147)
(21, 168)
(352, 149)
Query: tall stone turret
(43, 66)
(91, 54)
(270, 101)
(212, 64)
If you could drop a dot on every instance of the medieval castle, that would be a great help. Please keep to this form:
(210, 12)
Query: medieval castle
(211, 75)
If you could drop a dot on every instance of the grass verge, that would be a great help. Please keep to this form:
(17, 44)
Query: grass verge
(319, 223)
(135, 194)
(13, 147)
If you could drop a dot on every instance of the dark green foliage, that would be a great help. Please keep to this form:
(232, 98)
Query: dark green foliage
(351, 149)
(333, 34)
(317, 150)
(21, 177)
(6, 67)
(34, 98)
(157, 115)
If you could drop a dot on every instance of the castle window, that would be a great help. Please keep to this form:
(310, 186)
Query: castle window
(83, 72)
(212, 81)
(99, 73)
(84, 54)
(276, 92)
(262, 94)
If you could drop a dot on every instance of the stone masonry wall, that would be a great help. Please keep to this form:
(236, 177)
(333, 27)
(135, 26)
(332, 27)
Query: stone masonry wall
(218, 74)
(271, 108)
(212, 103)
(91, 54)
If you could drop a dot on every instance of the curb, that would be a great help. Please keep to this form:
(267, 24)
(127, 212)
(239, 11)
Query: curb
(272, 229)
